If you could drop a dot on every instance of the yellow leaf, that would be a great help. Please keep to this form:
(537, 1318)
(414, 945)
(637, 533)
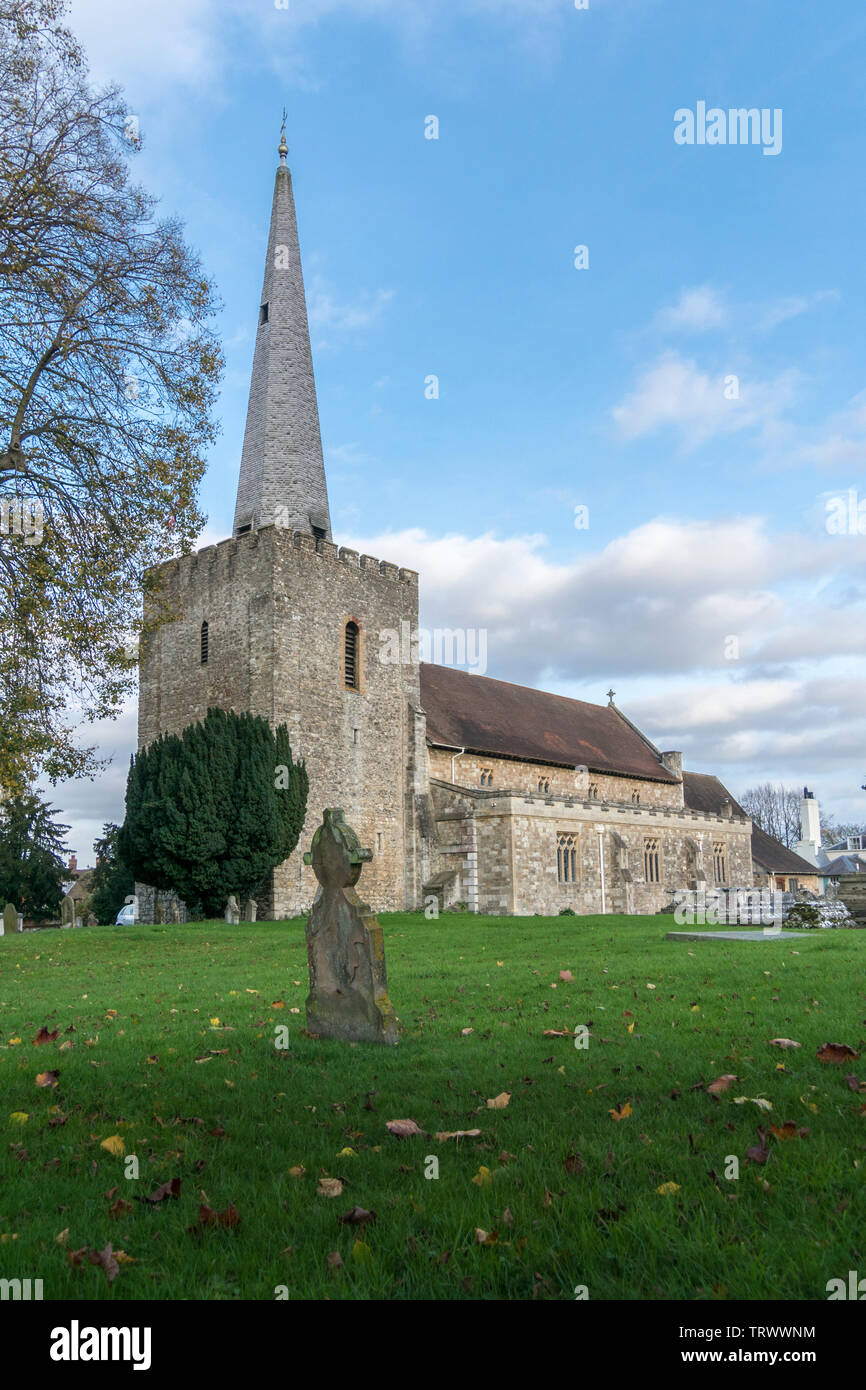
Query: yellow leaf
(122, 1258)
(13, 1042)
(485, 1237)
(63, 1237)
(667, 1189)
(347, 1153)
(483, 1178)
(561, 1070)
(214, 1023)
(631, 1027)
(621, 1114)
(19, 1117)
(298, 1171)
(695, 1009)
(361, 1253)
(499, 1102)
(114, 1145)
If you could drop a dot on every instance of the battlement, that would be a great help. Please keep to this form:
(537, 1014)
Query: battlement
(216, 559)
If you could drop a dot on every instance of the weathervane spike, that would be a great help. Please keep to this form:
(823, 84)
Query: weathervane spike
(283, 147)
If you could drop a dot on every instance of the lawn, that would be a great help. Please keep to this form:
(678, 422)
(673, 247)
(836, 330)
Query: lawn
(166, 1047)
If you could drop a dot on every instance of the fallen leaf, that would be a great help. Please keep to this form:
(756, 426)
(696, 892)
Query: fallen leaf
(330, 1187)
(464, 1032)
(574, 1164)
(622, 1113)
(717, 1087)
(106, 1260)
(208, 1217)
(62, 1237)
(566, 975)
(403, 1129)
(114, 1145)
(789, 1130)
(119, 1208)
(19, 1117)
(854, 1084)
(166, 1189)
(835, 1053)
(485, 1237)
(457, 1134)
(298, 1171)
(356, 1217)
(335, 1260)
(499, 1102)
(556, 1033)
(483, 1178)
(784, 1042)
(43, 1036)
(759, 1153)
(47, 1078)
(361, 1253)
(667, 1189)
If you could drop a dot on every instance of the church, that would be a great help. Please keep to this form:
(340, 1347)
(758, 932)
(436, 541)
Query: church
(469, 791)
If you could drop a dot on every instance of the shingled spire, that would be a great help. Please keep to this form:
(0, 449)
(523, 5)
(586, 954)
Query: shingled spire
(282, 478)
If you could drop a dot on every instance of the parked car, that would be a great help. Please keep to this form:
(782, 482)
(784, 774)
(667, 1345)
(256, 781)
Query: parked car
(126, 916)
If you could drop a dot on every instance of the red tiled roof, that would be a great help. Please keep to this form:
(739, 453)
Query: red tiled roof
(514, 721)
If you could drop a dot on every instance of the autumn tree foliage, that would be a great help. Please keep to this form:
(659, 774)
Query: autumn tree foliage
(108, 372)
(211, 811)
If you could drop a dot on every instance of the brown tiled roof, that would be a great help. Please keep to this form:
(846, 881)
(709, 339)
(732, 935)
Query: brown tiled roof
(703, 792)
(514, 721)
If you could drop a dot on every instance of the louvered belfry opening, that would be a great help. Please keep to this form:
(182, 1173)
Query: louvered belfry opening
(204, 643)
(352, 644)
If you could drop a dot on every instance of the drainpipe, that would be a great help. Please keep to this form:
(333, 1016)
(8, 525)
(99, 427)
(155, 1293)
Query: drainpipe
(453, 761)
(600, 830)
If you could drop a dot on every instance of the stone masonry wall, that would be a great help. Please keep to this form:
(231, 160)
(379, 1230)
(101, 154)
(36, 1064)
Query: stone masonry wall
(512, 775)
(276, 604)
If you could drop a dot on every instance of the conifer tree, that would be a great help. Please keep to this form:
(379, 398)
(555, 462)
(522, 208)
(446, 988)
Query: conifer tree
(213, 810)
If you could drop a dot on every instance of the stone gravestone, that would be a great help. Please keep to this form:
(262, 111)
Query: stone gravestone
(67, 912)
(10, 919)
(250, 910)
(233, 912)
(348, 996)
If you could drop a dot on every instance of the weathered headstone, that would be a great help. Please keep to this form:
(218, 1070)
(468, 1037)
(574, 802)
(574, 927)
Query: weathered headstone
(233, 912)
(91, 920)
(67, 912)
(348, 996)
(10, 919)
(250, 910)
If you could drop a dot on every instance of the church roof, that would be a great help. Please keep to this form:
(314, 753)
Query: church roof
(703, 792)
(513, 721)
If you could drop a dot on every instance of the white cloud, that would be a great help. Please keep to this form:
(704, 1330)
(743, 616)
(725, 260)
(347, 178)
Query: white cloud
(695, 311)
(333, 320)
(674, 393)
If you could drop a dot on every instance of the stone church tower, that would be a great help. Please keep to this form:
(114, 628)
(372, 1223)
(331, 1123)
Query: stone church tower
(281, 622)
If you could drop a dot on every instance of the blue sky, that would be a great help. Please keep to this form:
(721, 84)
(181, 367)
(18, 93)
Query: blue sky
(604, 386)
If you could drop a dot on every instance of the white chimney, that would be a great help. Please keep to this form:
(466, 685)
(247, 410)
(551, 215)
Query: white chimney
(810, 827)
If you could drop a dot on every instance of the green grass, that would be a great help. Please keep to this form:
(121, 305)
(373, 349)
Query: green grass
(780, 1231)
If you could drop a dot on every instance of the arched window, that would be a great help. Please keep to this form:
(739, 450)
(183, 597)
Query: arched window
(204, 643)
(352, 656)
(651, 866)
(635, 798)
(566, 858)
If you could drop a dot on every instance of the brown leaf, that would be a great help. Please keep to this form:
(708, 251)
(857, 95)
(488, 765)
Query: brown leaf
(208, 1217)
(566, 975)
(759, 1153)
(499, 1102)
(555, 1033)
(166, 1189)
(835, 1053)
(855, 1084)
(622, 1113)
(574, 1164)
(106, 1261)
(507, 1218)
(43, 1036)
(330, 1187)
(357, 1217)
(47, 1078)
(485, 1237)
(403, 1129)
(335, 1260)
(717, 1087)
(784, 1042)
(789, 1130)
(444, 1134)
(119, 1208)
